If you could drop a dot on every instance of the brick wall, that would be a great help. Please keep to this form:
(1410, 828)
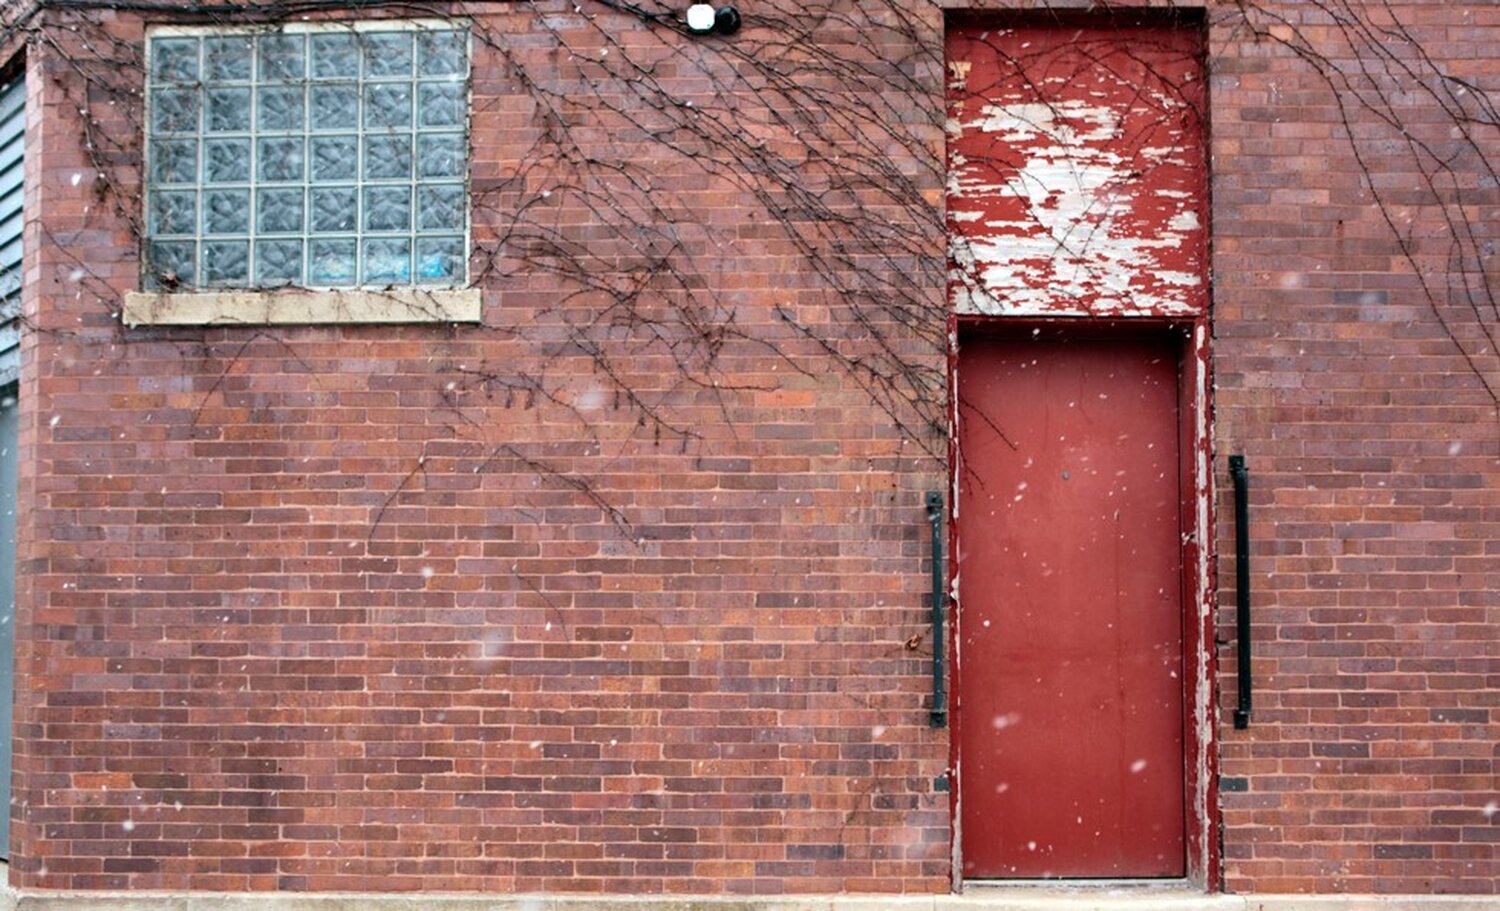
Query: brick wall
(439, 608)
(365, 608)
(1371, 438)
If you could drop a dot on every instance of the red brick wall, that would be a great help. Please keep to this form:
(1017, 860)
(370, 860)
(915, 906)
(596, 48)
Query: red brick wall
(296, 614)
(324, 608)
(1370, 763)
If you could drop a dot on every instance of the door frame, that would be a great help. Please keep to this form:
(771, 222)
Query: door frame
(1195, 448)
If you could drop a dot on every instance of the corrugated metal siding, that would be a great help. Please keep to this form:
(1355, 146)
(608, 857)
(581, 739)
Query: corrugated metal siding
(12, 177)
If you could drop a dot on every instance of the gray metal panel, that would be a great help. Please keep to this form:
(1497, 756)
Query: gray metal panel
(9, 438)
(12, 145)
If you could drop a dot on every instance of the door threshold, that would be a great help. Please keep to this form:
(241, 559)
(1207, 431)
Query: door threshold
(1089, 895)
(1159, 885)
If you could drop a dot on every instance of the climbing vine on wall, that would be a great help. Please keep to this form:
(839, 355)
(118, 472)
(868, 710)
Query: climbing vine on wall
(825, 119)
(688, 201)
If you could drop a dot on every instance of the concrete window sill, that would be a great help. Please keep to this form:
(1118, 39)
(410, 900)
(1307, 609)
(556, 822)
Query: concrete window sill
(294, 307)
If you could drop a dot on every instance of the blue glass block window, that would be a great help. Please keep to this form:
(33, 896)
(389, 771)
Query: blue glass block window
(318, 156)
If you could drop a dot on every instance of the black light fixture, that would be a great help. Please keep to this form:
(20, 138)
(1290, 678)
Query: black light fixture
(703, 19)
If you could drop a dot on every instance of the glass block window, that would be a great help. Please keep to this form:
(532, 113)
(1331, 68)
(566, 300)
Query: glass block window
(324, 157)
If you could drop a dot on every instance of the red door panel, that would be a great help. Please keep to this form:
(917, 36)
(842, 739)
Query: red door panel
(1070, 610)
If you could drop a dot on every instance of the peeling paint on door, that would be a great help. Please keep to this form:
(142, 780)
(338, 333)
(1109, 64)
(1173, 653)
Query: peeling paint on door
(1076, 172)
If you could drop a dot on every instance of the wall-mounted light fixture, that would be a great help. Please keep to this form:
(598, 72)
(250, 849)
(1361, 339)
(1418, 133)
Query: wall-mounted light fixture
(703, 19)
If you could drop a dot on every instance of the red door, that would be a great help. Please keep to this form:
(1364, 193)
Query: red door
(1070, 699)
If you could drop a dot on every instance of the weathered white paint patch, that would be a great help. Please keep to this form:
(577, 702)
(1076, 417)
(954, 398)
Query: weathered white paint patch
(1163, 153)
(1067, 123)
(1204, 708)
(1048, 205)
(1186, 220)
(958, 71)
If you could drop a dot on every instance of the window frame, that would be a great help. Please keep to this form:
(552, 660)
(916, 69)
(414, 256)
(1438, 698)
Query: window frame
(423, 300)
